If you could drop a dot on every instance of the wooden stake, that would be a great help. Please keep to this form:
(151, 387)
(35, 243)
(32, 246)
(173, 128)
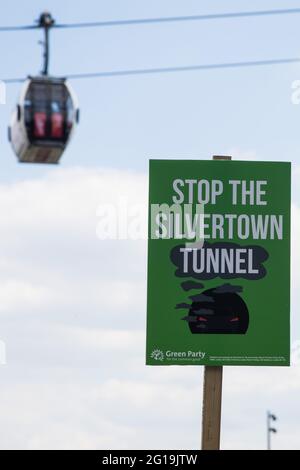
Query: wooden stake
(212, 395)
(212, 404)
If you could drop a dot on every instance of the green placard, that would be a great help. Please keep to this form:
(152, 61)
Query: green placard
(218, 263)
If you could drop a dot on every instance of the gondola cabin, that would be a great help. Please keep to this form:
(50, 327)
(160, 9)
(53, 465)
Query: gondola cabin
(44, 120)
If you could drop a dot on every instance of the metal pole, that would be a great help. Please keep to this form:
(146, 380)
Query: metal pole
(212, 396)
(268, 432)
(46, 51)
(270, 428)
(46, 22)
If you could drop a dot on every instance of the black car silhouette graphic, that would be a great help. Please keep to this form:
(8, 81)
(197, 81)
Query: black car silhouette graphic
(219, 310)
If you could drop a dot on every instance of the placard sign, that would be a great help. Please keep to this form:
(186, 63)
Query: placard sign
(218, 263)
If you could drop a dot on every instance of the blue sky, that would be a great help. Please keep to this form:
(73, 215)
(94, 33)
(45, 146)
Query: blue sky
(128, 119)
(75, 376)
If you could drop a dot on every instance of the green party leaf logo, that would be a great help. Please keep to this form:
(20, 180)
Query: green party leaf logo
(157, 355)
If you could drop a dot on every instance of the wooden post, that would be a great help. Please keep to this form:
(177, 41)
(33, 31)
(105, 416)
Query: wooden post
(212, 396)
(212, 404)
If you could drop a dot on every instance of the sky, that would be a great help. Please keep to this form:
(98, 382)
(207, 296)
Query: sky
(72, 320)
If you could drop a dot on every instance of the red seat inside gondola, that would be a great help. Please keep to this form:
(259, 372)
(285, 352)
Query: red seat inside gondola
(57, 125)
(48, 108)
(39, 125)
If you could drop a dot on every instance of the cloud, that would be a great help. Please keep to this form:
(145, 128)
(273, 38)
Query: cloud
(51, 257)
(73, 320)
(295, 263)
(14, 294)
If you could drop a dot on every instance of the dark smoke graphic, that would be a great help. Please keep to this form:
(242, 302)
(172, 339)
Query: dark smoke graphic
(227, 288)
(182, 305)
(189, 285)
(201, 298)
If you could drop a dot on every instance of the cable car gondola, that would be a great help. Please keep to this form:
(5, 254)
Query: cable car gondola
(46, 114)
(44, 120)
